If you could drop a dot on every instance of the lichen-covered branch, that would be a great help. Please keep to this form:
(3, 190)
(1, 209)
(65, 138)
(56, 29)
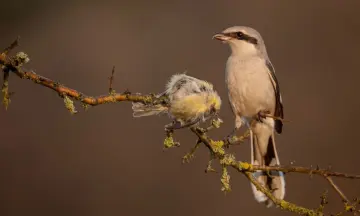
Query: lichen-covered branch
(11, 65)
(228, 160)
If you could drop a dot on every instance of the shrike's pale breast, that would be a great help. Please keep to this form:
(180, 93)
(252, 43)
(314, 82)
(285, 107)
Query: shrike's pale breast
(250, 88)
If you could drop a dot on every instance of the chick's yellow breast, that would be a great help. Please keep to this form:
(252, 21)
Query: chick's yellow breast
(195, 106)
(189, 107)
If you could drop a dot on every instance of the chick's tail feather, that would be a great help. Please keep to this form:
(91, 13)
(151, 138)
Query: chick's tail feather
(140, 109)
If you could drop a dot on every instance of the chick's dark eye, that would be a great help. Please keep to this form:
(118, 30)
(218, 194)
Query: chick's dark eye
(239, 35)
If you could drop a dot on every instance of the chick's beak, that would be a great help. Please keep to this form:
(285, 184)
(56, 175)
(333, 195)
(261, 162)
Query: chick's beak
(221, 37)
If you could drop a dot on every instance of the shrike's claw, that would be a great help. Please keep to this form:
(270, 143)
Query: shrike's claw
(262, 115)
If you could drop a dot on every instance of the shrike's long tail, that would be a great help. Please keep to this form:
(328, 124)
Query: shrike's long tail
(140, 109)
(263, 153)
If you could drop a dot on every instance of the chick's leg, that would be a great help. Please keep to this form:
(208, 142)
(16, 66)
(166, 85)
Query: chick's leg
(178, 125)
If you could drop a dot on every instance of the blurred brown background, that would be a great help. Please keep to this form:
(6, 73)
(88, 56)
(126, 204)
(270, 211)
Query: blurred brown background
(104, 162)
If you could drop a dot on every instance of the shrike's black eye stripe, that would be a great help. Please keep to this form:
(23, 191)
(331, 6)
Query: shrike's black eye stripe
(242, 36)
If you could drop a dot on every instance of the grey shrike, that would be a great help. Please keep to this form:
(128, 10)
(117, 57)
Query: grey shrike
(253, 88)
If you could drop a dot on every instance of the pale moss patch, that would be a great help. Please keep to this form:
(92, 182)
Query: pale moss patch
(85, 106)
(22, 58)
(225, 181)
(217, 122)
(69, 104)
(228, 159)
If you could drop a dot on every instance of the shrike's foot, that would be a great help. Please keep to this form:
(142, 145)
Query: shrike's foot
(231, 139)
(262, 115)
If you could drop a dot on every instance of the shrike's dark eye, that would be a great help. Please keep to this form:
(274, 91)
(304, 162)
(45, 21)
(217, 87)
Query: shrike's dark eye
(239, 35)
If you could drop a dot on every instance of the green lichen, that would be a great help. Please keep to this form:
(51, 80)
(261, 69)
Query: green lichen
(69, 104)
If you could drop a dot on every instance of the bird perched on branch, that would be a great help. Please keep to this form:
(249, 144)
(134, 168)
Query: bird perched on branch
(191, 101)
(254, 89)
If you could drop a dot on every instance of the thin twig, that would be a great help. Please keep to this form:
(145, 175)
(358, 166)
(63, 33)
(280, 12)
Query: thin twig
(111, 79)
(337, 189)
(12, 46)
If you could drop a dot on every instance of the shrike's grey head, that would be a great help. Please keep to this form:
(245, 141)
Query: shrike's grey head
(243, 41)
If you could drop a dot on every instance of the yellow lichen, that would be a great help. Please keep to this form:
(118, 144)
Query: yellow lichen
(169, 142)
(218, 147)
(244, 166)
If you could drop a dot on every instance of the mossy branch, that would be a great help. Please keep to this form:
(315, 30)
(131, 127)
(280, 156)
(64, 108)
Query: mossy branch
(12, 65)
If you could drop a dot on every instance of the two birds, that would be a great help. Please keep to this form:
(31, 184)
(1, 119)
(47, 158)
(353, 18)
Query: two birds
(252, 89)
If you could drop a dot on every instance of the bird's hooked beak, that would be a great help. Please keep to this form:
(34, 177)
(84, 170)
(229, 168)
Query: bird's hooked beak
(221, 37)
